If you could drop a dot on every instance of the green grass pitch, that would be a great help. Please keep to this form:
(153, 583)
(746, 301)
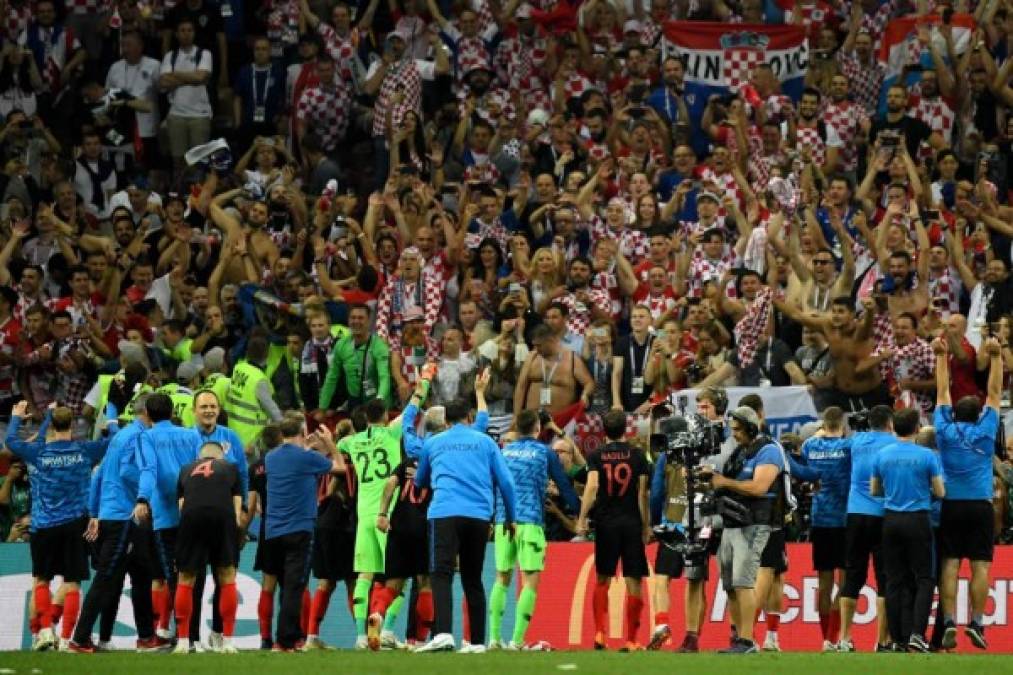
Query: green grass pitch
(578, 663)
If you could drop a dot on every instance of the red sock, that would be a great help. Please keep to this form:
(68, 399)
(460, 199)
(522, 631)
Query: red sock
(44, 605)
(265, 614)
(34, 623)
(835, 626)
(381, 600)
(304, 611)
(660, 618)
(773, 621)
(184, 608)
(634, 608)
(466, 621)
(71, 609)
(423, 614)
(156, 607)
(167, 607)
(321, 599)
(825, 625)
(228, 603)
(600, 606)
(57, 612)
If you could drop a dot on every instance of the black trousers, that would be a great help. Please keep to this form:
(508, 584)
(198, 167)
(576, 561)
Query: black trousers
(294, 552)
(123, 549)
(458, 540)
(939, 624)
(910, 572)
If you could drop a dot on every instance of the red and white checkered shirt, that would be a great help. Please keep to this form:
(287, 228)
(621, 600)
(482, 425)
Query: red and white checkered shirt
(404, 78)
(659, 304)
(726, 183)
(326, 111)
(809, 137)
(607, 282)
(866, 80)
(814, 17)
(936, 112)
(633, 244)
(10, 336)
(282, 25)
(914, 361)
(651, 32)
(579, 317)
(520, 62)
(398, 295)
(340, 49)
(875, 24)
(16, 20)
(703, 270)
(847, 119)
(576, 85)
(946, 285)
(469, 52)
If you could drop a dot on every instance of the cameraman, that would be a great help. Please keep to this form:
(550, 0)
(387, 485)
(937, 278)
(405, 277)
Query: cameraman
(747, 489)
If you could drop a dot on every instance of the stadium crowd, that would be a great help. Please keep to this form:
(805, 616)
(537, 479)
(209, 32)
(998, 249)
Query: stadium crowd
(402, 220)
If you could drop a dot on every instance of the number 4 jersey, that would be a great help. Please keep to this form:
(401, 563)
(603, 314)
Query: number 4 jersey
(374, 453)
(619, 467)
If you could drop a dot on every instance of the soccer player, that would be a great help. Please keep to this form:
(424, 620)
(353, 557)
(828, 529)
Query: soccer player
(269, 439)
(59, 476)
(206, 408)
(622, 525)
(829, 453)
(211, 506)
(123, 545)
(374, 453)
(291, 513)
(163, 451)
(531, 464)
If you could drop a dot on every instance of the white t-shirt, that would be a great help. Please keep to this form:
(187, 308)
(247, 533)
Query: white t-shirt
(188, 100)
(83, 187)
(140, 80)
(161, 292)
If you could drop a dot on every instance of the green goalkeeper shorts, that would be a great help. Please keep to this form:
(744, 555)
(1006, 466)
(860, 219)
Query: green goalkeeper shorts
(370, 547)
(526, 550)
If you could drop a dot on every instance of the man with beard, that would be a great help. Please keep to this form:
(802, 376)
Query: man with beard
(260, 247)
(813, 289)
(849, 120)
(668, 98)
(29, 290)
(469, 44)
(553, 377)
(537, 212)
(991, 298)
(907, 292)
(584, 303)
(944, 283)
(912, 130)
(859, 64)
(911, 364)
(932, 97)
(811, 136)
(324, 108)
(410, 288)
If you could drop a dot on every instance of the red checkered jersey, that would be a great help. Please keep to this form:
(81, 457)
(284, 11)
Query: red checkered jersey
(643, 269)
(847, 119)
(579, 317)
(439, 266)
(866, 80)
(914, 361)
(576, 85)
(660, 304)
(633, 244)
(325, 111)
(10, 336)
(469, 52)
(608, 283)
(815, 17)
(398, 295)
(875, 24)
(403, 79)
(726, 184)
(16, 20)
(811, 138)
(703, 270)
(938, 113)
(340, 49)
(519, 62)
(946, 285)
(79, 311)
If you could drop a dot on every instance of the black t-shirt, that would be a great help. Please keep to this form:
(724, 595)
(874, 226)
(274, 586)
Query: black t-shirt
(208, 484)
(411, 503)
(336, 511)
(768, 364)
(914, 130)
(619, 466)
(633, 369)
(258, 483)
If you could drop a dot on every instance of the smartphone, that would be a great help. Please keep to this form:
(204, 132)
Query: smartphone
(931, 216)
(516, 288)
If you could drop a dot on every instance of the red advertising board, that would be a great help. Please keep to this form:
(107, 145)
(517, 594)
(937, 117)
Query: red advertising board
(563, 616)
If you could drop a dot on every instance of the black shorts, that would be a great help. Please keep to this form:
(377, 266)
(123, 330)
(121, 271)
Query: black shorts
(407, 555)
(163, 545)
(616, 540)
(966, 529)
(333, 552)
(864, 538)
(206, 536)
(61, 551)
(668, 562)
(775, 555)
(830, 548)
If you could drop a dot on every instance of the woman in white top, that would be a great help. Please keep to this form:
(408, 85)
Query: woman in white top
(19, 80)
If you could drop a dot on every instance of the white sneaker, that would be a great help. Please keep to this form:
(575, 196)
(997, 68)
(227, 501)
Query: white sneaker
(46, 640)
(197, 648)
(388, 641)
(227, 647)
(181, 648)
(829, 646)
(361, 643)
(770, 643)
(846, 646)
(540, 646)
(35, 640)
(165, 633)
(105, 646)
(513, 646)
(444, 642)
(215, 642)
(64, 645)
(472, 649)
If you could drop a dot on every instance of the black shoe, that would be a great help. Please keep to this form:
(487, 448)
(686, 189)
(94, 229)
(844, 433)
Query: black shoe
(949, 636)
(888, 648)
(266, 645)
(976, 632)
(917, 644)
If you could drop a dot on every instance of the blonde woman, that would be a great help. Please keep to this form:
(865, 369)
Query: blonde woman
(545, 274)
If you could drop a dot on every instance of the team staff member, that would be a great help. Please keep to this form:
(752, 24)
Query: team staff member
(462, 466)
(908, 475)
(864, 525)
(750, 476)
(622, 524)
(270, 438)
(207, 408)
(250, 401)
(124, 546)
(59, 476)
(531, 465)
(966, 438)
(360, 365)
(211, 508)
(292, 472)
(163, 450)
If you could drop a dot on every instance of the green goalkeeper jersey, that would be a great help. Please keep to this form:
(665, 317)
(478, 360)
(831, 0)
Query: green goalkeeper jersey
(375, 453)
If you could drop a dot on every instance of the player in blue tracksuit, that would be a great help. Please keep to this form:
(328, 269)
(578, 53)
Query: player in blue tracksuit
(829, 453)
(531, 464)
(124, 545)
(59, 471)
(412, 441)
(463, 467)
(864, 523)
(163, 450)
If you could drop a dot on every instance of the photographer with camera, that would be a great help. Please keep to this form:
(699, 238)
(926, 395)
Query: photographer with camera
(747, 489)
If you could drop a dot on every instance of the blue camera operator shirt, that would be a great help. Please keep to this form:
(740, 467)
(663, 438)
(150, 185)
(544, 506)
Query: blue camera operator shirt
(768, 454)
(831, 457)
(966, 451)
(905, 471)
(865, 445)
(531, 464)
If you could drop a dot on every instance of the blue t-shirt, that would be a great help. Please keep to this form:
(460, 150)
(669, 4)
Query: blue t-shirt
(831, 457)
(865, 445)
(905, 471)
(966, 451)
(531, 464)
(292, 474)
(768, 454)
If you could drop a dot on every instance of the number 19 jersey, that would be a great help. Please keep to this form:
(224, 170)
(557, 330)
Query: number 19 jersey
(619, 467)
(375, 453)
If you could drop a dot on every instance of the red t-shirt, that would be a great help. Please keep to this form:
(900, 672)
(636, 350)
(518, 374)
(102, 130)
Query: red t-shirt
(962, 375)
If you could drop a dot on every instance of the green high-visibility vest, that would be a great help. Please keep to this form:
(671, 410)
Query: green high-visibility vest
(246, 416)
(182, 402)
(104, 383)
(219, 384)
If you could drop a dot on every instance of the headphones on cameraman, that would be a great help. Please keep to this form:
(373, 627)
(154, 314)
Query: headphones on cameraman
(718, 397)
(747, 425)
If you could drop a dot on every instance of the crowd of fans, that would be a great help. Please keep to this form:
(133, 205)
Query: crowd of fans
(334, 195)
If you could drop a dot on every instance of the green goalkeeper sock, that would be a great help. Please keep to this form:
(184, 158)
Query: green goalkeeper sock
(497, 603)
(360, 605)
(525, 609)
(392, 613)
